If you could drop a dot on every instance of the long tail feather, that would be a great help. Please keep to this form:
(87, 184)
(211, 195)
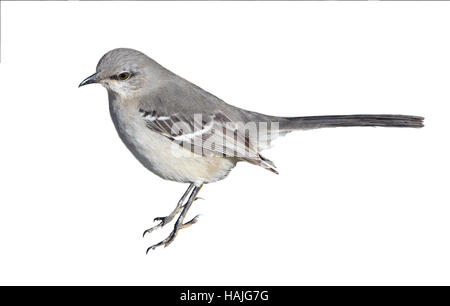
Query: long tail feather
(315, 122)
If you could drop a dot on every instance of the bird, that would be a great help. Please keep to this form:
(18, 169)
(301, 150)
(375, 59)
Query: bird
(183, 133)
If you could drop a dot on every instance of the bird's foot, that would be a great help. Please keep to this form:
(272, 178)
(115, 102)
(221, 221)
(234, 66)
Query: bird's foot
(173, 234)
(165, 242)
(162, 221)
(165, 220)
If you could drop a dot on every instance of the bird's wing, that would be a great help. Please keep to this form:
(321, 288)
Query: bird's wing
(205, 134)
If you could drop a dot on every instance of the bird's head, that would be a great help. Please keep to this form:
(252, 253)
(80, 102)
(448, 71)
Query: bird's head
(125, 71)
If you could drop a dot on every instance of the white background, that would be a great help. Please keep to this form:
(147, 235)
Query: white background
(350, 206)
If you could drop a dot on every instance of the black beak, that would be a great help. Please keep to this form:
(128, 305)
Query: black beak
(90, 80)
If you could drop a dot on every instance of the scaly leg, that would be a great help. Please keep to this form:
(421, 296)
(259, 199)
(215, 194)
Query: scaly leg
(167, 219)
(179, 224)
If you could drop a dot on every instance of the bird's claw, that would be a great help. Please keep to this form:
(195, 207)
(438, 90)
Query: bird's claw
(165, 242)
(151, 229)
(173, 234)
(165, 220)
(162, 221)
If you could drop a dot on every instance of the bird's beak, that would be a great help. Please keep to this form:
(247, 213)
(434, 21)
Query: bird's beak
(90, 80)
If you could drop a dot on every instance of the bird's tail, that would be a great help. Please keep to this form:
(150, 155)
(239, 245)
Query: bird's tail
(315, 122)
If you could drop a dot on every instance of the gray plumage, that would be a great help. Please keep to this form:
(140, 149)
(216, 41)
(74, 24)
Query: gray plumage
(149, 104)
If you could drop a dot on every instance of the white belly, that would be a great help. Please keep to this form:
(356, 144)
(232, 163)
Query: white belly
(163, 157)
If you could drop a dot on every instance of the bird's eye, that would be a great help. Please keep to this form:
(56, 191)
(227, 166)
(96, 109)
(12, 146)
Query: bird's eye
(123, 76)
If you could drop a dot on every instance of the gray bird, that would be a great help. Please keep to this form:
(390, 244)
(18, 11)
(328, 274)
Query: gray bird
(183, 133)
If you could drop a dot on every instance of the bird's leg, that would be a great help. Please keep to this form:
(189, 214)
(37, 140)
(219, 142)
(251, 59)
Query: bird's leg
(167, 219)
(179, 224)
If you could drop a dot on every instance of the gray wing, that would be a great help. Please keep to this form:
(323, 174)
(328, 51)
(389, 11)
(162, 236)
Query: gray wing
(207, 127)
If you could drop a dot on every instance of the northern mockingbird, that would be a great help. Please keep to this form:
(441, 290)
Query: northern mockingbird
(183, 133)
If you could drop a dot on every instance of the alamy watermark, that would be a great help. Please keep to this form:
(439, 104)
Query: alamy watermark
(208, 136)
